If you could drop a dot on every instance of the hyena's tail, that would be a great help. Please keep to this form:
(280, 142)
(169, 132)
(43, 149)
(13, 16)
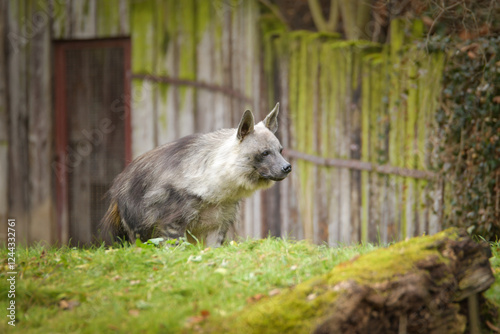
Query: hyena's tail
(111, 223)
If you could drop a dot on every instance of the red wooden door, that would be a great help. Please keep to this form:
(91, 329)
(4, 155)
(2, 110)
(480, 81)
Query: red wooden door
(92, 92)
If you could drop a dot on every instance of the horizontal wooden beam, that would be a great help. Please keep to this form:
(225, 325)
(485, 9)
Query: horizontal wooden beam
(197, 84)
(361, 165)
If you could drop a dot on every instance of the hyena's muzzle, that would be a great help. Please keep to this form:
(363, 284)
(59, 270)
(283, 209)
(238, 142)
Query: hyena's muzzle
(271, 165)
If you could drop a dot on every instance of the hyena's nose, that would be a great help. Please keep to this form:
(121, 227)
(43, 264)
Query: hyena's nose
(287, 168)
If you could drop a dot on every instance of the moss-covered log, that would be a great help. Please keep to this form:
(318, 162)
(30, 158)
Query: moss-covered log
(415, 286)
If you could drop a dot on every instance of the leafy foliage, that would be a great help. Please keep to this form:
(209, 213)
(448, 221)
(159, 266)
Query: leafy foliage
(469, 130)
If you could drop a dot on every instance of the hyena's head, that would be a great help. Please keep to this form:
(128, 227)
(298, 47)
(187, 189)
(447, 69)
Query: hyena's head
(260, 148)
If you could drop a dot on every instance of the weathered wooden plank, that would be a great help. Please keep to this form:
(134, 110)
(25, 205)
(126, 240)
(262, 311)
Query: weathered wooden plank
(323, 185)
(421, 220)
(142, 18)
(397, 121)
(288, 211)
(253, 71)
(185, 39)
(377, 134)
(124, 9)
(366, 145)
(387, 207)
(335, 137)
(425, 96)
(294, 78)
(83, 19)
(87, 19)
(60, 19)
(314, 129)
(40, 130)
(304, 136)
(358, 50)
(175, 38)
(206, 51)
(437, 64)
(409, 220)
(112, 18)
(272, 220)
(166, 115)
(329, 142)
(344, 126)
(143, 117)
(223, 74)
(234, 72)
(414, 107)
(143, 92)
(18, 181)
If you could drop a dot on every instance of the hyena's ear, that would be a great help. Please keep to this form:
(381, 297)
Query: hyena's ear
(271, 120)
(246, 125)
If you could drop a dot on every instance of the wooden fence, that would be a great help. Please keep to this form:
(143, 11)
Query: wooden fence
(356, 118)
(359, 128)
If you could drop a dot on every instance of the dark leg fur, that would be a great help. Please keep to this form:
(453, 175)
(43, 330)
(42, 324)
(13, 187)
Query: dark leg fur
(166, 214)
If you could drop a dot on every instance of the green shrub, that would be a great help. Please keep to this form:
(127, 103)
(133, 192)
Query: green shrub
(469, 135)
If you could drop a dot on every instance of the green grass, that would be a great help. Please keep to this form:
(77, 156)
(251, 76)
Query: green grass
(133, 289)
(493, 292)
(159, 290)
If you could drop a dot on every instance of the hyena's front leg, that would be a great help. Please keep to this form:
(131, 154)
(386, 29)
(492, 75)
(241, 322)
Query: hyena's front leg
(218, 220)
(172, 211)
(217, 237)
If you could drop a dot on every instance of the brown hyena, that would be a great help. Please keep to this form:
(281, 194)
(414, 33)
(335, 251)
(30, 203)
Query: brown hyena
(196, 183)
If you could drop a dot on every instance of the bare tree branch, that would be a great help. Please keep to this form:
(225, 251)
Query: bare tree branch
(334, 16)
(275, 10)
(317, 15)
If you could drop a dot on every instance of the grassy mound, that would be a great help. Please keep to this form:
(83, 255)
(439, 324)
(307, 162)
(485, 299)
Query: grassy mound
(161, 290)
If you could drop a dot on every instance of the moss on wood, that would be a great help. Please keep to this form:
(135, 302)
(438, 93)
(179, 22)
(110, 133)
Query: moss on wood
(417, 284)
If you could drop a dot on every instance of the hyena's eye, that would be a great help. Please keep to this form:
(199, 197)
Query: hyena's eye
(266, 153)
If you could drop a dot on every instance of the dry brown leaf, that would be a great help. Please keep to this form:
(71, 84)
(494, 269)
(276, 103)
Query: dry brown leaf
(195, 319)
(492, 327)
(312, 296)
(274, 292)
(68, 304)
(134, 312)
(255, 298)
(204, 314)
(427, 21)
